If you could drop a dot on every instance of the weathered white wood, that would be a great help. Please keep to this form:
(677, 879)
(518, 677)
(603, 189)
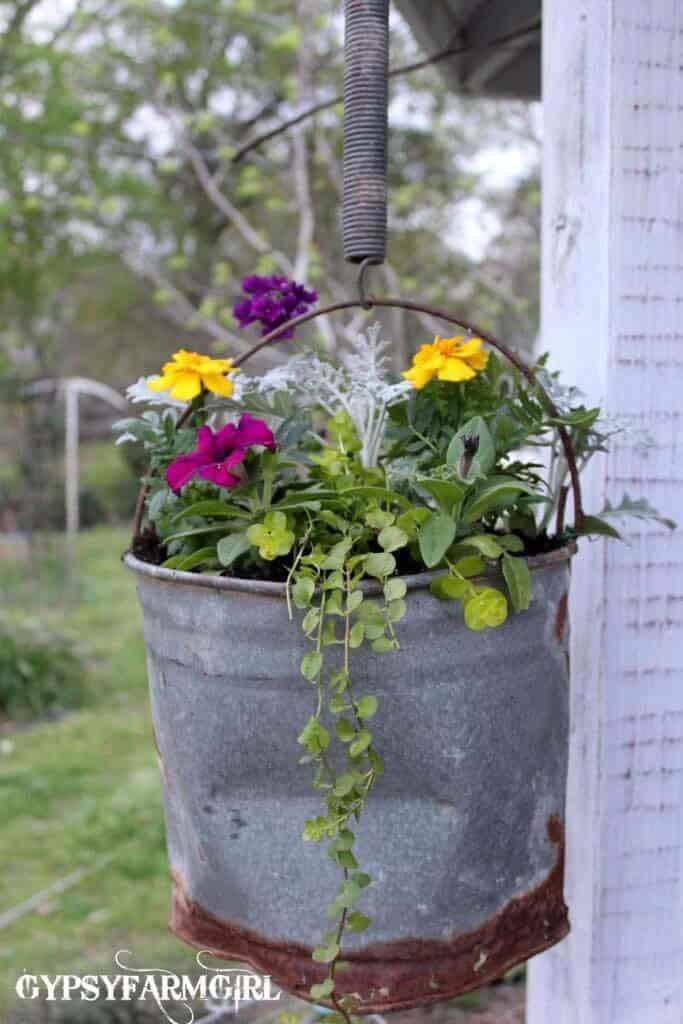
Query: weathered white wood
(613, 319)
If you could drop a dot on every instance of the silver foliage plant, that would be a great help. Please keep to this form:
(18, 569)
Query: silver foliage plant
(587, 444)
(358, 385)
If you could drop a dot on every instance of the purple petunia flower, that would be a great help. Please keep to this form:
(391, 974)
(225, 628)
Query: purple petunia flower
(218, 453)
(272, 301)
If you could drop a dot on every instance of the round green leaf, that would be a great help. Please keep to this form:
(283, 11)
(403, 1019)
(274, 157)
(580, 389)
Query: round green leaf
(323, 990)
(391, 538)
(311, 664)
(395, 589)
(380, 565)
(367, 707)
(487, 610)
(448, 588)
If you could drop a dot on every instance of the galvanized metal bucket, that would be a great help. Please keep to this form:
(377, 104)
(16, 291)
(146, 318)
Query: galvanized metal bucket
(463, 834)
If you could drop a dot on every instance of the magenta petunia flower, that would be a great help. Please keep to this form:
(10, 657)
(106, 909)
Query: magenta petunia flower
(217, 454)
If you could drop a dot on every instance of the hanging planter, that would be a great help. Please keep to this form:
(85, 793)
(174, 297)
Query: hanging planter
(463, 834)
(357, 580)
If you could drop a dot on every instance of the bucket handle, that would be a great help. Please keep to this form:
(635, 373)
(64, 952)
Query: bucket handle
(367, 302)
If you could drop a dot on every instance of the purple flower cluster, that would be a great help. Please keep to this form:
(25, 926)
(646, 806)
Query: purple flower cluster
(272, 301)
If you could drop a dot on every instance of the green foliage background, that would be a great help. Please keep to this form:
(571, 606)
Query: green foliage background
(113, 252)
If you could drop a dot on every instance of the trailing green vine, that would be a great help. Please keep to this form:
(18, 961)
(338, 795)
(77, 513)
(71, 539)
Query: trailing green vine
(327, 586)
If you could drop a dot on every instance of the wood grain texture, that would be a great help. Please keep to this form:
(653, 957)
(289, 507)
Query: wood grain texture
(613, 319)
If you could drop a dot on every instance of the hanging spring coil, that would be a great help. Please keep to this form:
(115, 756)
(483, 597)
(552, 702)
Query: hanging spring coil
(366, 69)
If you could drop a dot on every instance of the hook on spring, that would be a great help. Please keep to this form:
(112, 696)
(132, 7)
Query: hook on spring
(366, 300)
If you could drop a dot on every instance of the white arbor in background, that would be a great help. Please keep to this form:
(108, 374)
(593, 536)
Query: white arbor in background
(71, 388)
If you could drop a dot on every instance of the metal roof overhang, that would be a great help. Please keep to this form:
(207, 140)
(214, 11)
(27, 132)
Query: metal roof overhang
(502, 37)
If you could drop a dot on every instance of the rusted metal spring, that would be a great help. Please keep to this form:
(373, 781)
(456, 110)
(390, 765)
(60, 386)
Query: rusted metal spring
(366, 98)
(438, 314)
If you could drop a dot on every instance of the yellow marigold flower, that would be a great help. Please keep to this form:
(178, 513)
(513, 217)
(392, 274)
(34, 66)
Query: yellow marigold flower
(188, 372)
(450, 359)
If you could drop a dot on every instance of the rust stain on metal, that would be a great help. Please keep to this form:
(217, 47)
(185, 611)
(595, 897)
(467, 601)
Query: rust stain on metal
(561, 618)
(403, 974)
(555, 830)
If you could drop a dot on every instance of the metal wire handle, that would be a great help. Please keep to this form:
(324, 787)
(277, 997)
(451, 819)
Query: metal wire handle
(366, 302)
(366, 102)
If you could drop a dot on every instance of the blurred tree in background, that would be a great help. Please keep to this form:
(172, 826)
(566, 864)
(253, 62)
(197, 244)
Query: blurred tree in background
(128, 202)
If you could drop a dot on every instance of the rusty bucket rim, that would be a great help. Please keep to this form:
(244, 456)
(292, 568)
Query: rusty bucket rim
(268, 588)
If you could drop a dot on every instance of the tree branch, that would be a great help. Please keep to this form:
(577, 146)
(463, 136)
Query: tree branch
(230, 212)
(511, 38)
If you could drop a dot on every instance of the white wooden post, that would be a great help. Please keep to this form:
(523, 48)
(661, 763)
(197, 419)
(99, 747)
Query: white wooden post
(613, 319)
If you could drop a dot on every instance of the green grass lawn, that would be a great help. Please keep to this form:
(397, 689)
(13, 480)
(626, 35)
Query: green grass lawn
(84, 787)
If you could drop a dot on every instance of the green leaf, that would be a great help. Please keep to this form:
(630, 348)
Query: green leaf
(487, 610)
(326, 954)
(345, 730)
(370, 613)
(356, 635)
(361, 743)
(383, 645)
(329, 635)
(314, 736)
(358, 922)
(410, 522)
(448, 588)
(497, 493)
(311, 621)
(231, 548)
(354, 601)
(378, 519)
(518, 579)
(361, 879)
(347, 859)
(196, 531)
(395, 589)
(311, 664)
(378, 494)
(323, 990)
(367, 707)
(511, 542)
(380, 565)
(173, 562)
(334, 603)
(484, 543)
(470, 566)
(435, 537)
(337, 555)
(195, 559)
(594, 526)
(639, 508)
(335, 581)
(392, 538)
(303, 591)
(479, 463)
(349, 893)
(210, 510)
(396, 610)
(344, 784)
(448, 493)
